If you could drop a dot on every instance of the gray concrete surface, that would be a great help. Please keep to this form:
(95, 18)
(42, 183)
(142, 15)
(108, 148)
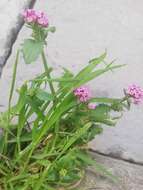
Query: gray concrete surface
(84, 29)
(10, 24)
(130, 176)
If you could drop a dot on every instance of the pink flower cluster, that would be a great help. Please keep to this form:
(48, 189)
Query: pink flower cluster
(38, 17)
(83, 94)
(136, 93)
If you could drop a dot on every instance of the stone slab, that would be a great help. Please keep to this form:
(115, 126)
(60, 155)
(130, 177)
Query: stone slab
(84, 29)
(10, 24)
(130, 176)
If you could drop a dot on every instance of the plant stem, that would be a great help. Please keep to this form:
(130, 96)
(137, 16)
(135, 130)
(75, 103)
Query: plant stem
(56, 136)
(10, 97)
(12, 84)
(48, 73)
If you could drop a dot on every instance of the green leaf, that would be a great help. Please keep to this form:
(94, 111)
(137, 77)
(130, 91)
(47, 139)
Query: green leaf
(43, 95)
(35, 107)
(21, 101)
(51, 29)
(13, 83)
(101, 115)
(41, 155)
(87, 74)
(2, 144)
(105, 100)
(91, 133)
(43, 162)
(69, 176)
(65, 105)
(84, 74)
(31, 50)
(92, 64)
(19, 177)
(67, 77)
(67, 161)
(24, 138)
(78, 134)
(88, 77)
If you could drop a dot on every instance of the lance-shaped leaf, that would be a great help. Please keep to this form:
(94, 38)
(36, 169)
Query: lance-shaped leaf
(31, 50)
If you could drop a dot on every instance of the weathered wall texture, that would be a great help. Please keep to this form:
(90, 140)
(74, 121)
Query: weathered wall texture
(10, 24)
(84, 29)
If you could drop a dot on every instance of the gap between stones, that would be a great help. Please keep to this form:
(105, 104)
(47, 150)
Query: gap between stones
(131, 161)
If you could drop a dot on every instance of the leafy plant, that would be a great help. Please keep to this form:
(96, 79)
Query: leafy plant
(43, 144)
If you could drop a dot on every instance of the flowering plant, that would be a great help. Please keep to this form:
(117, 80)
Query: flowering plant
(44, 138)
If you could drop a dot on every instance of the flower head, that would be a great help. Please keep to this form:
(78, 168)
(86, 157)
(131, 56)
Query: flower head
(82, 93)
(136, 93)
(92, 106)
(29, 15)
(42, 19)
(32, 16)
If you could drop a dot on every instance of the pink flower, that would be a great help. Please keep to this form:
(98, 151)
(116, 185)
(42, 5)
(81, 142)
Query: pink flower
(38, 17)
(82, 93)
(136, 93)
(42, 19)
(92, 106)
(29, 16)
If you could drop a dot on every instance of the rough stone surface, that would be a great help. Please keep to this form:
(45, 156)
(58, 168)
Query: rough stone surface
(10, 24)
(129, 175)
(84, 29)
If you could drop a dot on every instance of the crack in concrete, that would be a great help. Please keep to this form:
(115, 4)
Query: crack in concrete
(131, 161)
(12, 36)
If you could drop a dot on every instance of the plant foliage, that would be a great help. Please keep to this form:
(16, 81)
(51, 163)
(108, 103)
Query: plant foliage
(45, 134)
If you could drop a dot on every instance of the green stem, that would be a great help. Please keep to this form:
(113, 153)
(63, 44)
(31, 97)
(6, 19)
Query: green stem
(12, 84)
(125, 98)
(10, 98)
(56, 137)
(48, 73)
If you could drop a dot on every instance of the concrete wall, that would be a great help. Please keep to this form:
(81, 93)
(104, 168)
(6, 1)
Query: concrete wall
(84, 29)
(10, 24)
